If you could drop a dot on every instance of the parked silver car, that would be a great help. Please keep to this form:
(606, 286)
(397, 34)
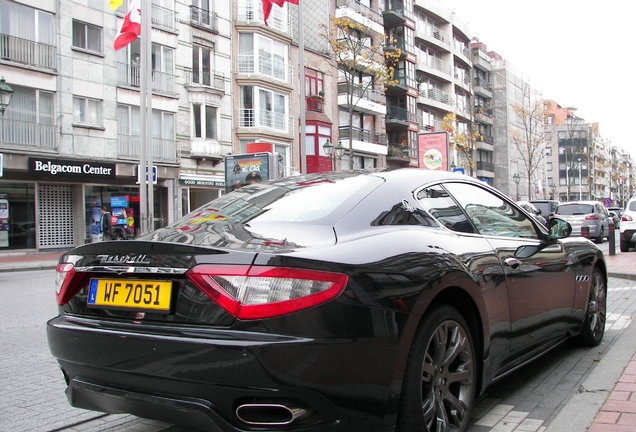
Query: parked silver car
(590, 214)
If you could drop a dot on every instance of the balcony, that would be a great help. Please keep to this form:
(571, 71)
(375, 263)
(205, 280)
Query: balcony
(265, 68)
(271, 121)
(435, 95)
(28, 53)
(363, 140)
(484, 115)
(161, 17)
(251, 12)
(35, 136)
(403, 83)
(400, 117)
(436, 36)
(432, 65)
(128, 75)
(204, 19)
(482, 87)
(369, 101)
(394, 13)
(481, 61)
(399, 153)
(360, 14)
(206, 80)
(315, 104)
(207, 149)
(163, 150)
(486, 166)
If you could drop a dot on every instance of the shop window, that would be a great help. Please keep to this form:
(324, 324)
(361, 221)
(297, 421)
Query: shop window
(17, 216)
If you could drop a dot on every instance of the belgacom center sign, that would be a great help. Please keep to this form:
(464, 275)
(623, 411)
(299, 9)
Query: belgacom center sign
(70, 169)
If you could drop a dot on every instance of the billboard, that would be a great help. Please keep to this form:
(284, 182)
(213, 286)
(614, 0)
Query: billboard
(432, 151)
(244, 169)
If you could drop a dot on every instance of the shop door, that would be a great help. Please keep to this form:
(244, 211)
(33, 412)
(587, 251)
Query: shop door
(55, 216)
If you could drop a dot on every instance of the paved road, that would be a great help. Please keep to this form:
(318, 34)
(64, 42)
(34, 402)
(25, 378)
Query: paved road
(32, 388)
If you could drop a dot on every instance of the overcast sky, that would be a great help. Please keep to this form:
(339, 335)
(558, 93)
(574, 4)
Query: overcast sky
(579, 53)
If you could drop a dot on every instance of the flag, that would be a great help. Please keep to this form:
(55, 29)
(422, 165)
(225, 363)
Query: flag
(131, 27)
(114, 4)
(267, 6)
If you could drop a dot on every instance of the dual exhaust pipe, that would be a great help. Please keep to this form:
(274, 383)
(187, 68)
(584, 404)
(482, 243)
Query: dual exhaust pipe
(269, 414)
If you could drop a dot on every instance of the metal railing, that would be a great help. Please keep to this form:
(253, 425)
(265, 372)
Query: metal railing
(359, 92)
(437, 95)
(402, 114)
(28, 52)
(164, 17)
(359, 7)
(129, 146)
(251, 12)
(23, 133)
(360, 134)
(480, 82)
(255, 118)
(265, 66)
(486, 166)
(128, 74)
(214, 80)
(204, 18)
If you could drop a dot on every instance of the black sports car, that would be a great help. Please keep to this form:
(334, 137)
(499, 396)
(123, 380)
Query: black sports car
(367, 301)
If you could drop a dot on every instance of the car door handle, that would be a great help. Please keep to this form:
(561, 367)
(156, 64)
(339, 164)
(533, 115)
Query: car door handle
(512, 262)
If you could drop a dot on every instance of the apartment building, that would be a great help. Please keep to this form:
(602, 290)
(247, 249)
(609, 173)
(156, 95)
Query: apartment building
(71, 136)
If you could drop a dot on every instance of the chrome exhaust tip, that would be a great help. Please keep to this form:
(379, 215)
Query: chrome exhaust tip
(263, 414)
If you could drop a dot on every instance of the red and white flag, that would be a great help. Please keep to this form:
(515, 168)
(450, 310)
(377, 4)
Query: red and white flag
(131, 27)
(267, 6)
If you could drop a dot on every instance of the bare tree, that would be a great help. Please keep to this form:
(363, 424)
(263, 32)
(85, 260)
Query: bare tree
(363, 64)
(463, 141)
(529, 138)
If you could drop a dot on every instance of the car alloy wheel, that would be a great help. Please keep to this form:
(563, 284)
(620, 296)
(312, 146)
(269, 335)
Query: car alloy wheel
(443, 363)
(595, 315)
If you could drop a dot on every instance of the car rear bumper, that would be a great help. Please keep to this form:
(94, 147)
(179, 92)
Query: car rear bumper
(628, 235)
(200, 382)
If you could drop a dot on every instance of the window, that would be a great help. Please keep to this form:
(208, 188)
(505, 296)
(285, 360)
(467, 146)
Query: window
(205, 121)
(263, 108)
(548, 166)
(314, 82)
(26, 23)
(490, 214)
(263, 55)
(316, 135)
(442, 207)
(87, 36)
(201, 65)
(87, 111)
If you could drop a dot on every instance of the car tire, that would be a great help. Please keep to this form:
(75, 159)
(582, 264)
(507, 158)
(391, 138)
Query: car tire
(441, 375)
(625, 246)
(595, 314)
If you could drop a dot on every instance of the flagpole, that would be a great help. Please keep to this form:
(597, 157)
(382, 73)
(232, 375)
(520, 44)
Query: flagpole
(303, 100)
(146, 195)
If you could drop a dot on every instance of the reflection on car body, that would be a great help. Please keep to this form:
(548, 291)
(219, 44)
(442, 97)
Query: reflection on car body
(324, 302)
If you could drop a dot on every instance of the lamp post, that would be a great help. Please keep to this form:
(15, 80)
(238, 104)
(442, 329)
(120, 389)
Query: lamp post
(517, 178)
(334, 153)
(580, 182)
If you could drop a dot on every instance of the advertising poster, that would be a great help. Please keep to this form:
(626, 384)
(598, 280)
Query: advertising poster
(241, 170)
(432, 151)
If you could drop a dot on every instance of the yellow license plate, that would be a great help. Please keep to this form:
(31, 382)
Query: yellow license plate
(135, 294)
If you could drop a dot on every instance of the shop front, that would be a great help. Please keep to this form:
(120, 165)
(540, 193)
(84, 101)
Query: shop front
(198, 190)
(55, 203)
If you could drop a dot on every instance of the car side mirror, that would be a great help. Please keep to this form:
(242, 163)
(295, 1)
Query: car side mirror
(559, 228)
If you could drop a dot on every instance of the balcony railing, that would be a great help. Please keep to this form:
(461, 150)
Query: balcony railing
(359, 134)
(22, 133)
(360, 92)
(315, 104)
(129, 75)
(401, 114)
(486, 166)
(437, 95)
(266, 67)
(204, 18)
(163, 150)
(28, 52)
(254, 118)
(214, 80)
(375, 16)
(251, 12)
(160, 16)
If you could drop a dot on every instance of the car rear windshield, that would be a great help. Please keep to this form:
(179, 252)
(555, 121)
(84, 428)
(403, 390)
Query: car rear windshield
(631, 206)
(289, 201)
(575, 209)
(544, 207)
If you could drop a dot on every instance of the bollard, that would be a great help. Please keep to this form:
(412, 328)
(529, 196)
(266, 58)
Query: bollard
(612, 238)
(585, 232)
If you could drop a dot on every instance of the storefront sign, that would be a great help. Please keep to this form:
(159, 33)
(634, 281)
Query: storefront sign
(57, 168)
(197, 182)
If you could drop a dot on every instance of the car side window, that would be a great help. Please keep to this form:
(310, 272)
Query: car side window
(438, 203)
(490, 214)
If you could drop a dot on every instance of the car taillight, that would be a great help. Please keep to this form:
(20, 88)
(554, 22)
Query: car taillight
(592, 217)
(627, 218)
(253, 292)
(67, 282)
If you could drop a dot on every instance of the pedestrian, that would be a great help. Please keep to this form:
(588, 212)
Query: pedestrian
(107, 226)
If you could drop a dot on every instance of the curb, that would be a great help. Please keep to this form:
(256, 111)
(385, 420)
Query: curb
(579, 412)
(622, 275)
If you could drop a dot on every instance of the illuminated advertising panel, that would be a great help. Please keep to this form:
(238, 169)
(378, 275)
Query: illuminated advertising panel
(432, 151)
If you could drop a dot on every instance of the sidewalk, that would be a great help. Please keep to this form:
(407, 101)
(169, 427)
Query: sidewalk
(607, 403)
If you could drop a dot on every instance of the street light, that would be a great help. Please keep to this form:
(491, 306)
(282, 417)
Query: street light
(333, 152)
(517, 178)
(580, 183)
(6, 93)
